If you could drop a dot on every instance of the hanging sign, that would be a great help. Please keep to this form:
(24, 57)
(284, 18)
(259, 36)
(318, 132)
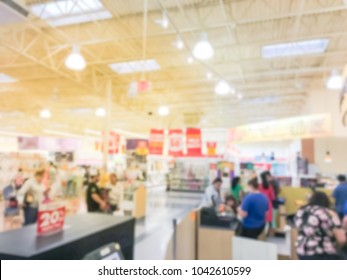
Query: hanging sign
(176, 142)
(113, 144)
(193, 141)
(143, 86)
(311, 126)
(211, 148)
(51, 218)
(156, 141)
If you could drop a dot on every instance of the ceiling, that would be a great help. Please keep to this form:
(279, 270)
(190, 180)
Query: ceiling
(33, 52)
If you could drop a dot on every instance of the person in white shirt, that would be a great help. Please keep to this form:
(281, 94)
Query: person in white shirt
(212, 196)
(30, 195)
(116, 193)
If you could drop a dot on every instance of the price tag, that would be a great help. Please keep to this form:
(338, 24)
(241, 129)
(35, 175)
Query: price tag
(51, 220)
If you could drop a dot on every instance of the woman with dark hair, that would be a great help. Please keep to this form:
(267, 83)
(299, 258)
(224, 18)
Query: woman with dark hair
(267, 189)
(319, 230)
(253, 211)
(231, 205)
(236, 189)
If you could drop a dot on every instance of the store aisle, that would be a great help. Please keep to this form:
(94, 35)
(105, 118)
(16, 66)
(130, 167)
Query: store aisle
(154, 232)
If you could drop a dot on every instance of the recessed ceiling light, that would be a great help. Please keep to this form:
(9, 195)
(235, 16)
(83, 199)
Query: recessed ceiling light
(240, 96)
(6, 79)
(190, 60)
(100, 112)
(68, 12)
(295, 48)
(135, 66)
(163, 111)
(45, 114)
(223, 88)
(209, 75)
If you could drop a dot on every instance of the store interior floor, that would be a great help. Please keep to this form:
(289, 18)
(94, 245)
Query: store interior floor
(154, 232)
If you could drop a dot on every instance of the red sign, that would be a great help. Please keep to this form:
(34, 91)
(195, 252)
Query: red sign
(113, 144)
(50, 220)
(211, 148)
(156, 142)
(176, 142)
(193, 141)
(142, 86)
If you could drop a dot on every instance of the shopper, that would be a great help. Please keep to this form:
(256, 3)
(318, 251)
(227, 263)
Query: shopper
(30, 196)
(116, 193)
(230, 206)
(275, 204)
(340, 195)
(345, 217)
(236, 189)
(319, 230)
(95, 203)
(253, 211)
(19, 179)
(212, 196)
(267, 189)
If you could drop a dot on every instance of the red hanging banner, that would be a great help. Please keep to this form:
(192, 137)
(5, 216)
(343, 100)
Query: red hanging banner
(156, 142)
(211, 148)
(113, 144)
(176, 142)
(193, 141)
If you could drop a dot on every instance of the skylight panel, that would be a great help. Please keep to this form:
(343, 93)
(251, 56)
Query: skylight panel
(6, 79)
(135, 66)
(68, 12)
(316, 46)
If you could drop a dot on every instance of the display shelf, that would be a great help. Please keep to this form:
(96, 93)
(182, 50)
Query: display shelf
(135, 201)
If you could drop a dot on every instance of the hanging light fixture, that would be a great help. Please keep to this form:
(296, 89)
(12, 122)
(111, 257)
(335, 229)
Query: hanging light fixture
(223, 88)
(100, 112)
(203, 50)
(75, 61)
(163, 111)
(45, 114)
(164, 21)
(179, 43)
(328, 158)
(335, 81)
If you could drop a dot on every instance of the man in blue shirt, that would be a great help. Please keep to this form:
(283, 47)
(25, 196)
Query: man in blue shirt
(340, 195)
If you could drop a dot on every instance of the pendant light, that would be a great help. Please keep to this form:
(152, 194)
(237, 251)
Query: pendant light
(223, 88)
(100, 112)
(75, 61)
(335, 81)
(328, 158)
(163, 111)
(45, 114)
(203, 50)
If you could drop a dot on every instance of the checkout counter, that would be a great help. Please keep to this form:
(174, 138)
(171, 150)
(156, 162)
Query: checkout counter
(202, 235)
(82, 234)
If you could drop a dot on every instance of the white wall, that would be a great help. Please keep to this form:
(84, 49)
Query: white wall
(338, 151)
(321, 100)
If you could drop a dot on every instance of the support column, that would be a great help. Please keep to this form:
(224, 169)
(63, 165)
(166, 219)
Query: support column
(106, 135)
